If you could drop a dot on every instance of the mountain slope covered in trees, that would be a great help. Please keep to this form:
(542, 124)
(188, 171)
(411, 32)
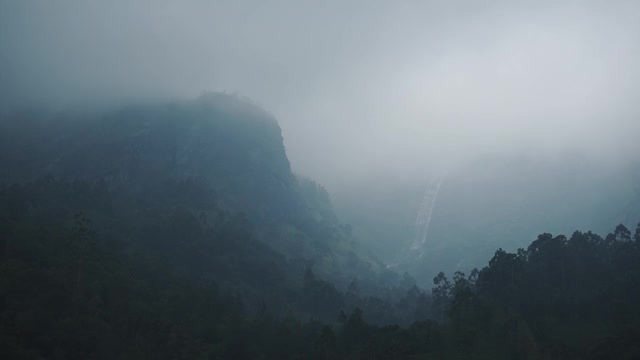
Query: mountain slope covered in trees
(178, 231)
(203, 186)
(68, 295)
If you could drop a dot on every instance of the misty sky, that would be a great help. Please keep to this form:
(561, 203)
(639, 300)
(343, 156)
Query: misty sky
(357, 86)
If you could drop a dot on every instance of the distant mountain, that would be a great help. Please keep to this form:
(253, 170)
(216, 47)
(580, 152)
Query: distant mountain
(492, 202)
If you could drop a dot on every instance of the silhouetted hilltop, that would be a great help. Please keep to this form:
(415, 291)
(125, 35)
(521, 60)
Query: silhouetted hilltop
(211, 171)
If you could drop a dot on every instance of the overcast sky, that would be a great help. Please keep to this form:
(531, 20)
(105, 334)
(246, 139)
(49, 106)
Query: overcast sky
(357, 86)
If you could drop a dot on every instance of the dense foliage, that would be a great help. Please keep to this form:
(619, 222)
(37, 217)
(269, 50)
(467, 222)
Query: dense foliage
(68, 294)
(148, 174)
(179, 232)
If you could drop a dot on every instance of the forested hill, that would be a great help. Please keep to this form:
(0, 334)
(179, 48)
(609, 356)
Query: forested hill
(203, 185)
(178, 231)
(67, 295)
(223, 140)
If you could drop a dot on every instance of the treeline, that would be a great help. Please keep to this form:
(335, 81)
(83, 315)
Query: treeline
(561, 298)
(67, 296)
(136, 269)
(157, 281)
(178, 223)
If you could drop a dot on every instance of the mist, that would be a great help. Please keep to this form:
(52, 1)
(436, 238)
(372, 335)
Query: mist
(360, 87)
(331, 179)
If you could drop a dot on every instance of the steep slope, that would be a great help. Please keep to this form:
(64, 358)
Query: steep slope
(233, 145)
(204, 185)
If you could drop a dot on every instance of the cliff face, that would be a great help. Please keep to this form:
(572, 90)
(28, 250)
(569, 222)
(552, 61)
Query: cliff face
(227, 142)
(215, 167)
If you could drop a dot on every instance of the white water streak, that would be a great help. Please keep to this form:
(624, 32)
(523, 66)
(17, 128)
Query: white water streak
(423, 218)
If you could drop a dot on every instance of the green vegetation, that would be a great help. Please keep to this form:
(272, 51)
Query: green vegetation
(67, 294)
(179, 232)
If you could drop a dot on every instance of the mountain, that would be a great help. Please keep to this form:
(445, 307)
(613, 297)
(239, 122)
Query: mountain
(228, 142)
(204, 185)
(177, 230)
(490, 202)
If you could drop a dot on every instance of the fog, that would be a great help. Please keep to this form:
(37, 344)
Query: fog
(447, 179)
(360, 88)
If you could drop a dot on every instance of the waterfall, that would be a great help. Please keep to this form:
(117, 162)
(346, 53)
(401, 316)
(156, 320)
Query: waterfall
(423, 218)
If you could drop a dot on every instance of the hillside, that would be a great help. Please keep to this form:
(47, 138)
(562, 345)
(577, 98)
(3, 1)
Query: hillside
(203, 185)
(178, 231)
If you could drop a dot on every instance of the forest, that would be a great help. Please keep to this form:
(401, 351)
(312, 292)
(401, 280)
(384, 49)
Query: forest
(323, 180)
(67, 294)
(145, 242)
